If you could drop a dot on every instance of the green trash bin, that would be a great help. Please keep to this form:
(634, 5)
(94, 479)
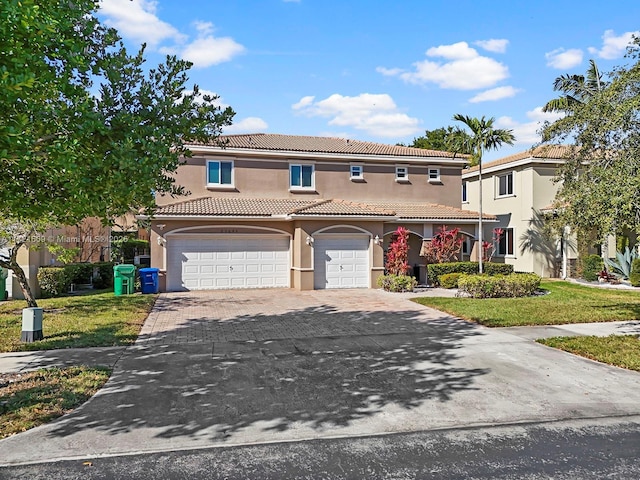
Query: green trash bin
(123, 279)
(4, 273)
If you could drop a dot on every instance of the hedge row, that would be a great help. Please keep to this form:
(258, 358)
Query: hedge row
(397, 283)
(56, 281)
(499, 286)
(436, 270)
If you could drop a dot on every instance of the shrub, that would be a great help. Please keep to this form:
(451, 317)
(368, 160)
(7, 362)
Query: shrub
(103, 275)
(450, 280)
(621, 265)
(396, 262)
(397, 283)
(591, 266)
(436, 270)
(54, 281)
(634, 277)
(80, 273)
(498, 286)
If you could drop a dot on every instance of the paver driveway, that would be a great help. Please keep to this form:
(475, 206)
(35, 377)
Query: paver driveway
(232, 367)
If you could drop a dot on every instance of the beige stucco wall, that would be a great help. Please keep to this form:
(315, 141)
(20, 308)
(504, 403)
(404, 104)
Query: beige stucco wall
(270, 179)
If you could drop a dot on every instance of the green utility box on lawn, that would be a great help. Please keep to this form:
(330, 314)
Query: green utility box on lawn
(123, 279)
(4, 273)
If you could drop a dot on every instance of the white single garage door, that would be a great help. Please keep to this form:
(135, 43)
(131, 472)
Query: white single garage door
(341, 262)
(224, 261)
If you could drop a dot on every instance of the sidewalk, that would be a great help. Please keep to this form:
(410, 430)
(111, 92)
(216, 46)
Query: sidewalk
(16, 362)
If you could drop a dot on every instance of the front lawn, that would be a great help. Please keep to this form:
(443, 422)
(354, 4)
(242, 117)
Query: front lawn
(564, 302)
(31, 399)
(94, 319)
(619, 350)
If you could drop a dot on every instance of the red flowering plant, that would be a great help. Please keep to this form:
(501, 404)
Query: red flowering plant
(489, 248)
(444, 246)
(397, 262)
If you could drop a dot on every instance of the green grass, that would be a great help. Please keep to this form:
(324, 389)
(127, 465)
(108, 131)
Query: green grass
(619, 350)
(565, 303)
(94, 319)
(31, 399)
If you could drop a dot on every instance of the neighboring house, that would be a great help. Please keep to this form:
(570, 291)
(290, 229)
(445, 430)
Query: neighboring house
(301, 212)
(520, 191)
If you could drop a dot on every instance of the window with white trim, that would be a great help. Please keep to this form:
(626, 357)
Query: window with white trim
(506, 243)
(301, 176)
(434, 175)
(402, 173)
(219, 173)
(505, 184)
(356, 172)
(464, 192)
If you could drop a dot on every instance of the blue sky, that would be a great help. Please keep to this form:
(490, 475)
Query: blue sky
(379, 70)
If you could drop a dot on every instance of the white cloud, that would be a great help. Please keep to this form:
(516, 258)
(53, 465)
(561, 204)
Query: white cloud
(493, 45)
(247, 125)
(527, 133)
(463, 69)
(613, 46)
(202, 92)
(208, 50)
(564, 59)
(494, 94)
(375, 114)
(137, 20)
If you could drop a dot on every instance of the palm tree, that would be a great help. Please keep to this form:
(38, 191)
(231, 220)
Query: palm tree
(577, 89)
(483, 137)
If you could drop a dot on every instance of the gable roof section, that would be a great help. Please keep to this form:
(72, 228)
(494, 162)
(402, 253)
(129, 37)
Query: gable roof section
(556, 153)
(324, 145)
(211, 207)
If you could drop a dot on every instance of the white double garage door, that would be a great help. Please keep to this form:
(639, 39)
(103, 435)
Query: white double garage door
(208, 262)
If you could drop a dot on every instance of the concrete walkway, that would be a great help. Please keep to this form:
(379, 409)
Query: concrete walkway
(239, 367)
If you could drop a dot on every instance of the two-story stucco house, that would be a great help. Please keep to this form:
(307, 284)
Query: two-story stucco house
(301, 212)
(520, 190)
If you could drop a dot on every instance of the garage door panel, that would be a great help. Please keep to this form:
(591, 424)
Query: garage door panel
(341, 262)
(218, 263)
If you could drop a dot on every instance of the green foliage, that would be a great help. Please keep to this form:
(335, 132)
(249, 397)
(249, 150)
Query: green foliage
(450, 280)
(484, 136)
(103, 275)
(601, 176)
(54, 281)
(591, 266)
(634, 277)
(63, 254)
(436, 270)
(449, 139)
(622, 263)
(79, 111)
(397, 283)
(80, 273)
(499, 286)
(125, 249)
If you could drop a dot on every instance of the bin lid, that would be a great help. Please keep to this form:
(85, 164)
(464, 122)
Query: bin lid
(149, 270)
(124, 268)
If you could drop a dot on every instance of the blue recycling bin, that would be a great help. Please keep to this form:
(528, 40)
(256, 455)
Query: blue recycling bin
(149, 282)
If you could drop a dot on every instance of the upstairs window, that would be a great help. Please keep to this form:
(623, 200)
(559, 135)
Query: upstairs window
(434, 175)
(402, 173)
(505, 185)
(301, 176)
(219, 173)
(356, 172)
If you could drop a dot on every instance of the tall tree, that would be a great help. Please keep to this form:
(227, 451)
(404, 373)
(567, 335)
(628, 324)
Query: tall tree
(86, 130)
(483, 137)
(576, 89)
(449, 139)
(600, 179)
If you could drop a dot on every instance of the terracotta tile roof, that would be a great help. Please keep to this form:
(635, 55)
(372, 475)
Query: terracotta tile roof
(546, 152)
(267, 207)
(418, 211)
(302, 143)
(230, 207)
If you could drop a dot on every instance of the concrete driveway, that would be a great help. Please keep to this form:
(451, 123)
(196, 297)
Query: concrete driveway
(235, 367)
